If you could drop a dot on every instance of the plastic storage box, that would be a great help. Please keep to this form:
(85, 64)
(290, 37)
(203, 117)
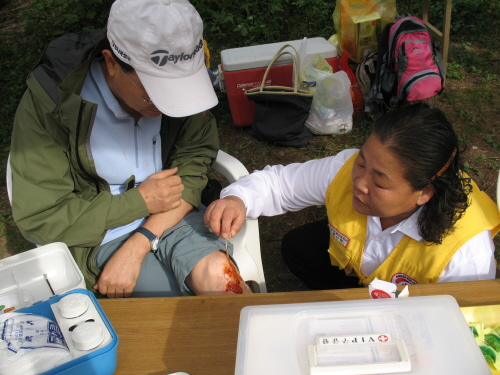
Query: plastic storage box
(414, 335)
(46, 281)
(243, 69)
(489, 315)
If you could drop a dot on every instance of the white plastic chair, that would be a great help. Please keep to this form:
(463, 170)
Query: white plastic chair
(246, 243)
(9, 180)
(498, 190)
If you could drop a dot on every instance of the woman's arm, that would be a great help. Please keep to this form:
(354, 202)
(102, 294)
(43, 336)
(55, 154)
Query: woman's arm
(473, 261)
(273, 191)
(278, 189)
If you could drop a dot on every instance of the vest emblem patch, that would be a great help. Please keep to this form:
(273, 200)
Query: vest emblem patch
(341, 238)
(402, 279)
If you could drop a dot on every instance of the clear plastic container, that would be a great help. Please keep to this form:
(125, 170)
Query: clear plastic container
(414, 335)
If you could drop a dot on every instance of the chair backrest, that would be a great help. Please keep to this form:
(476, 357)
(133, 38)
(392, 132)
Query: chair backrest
(247, 242)
(8, 173)
(498, 190)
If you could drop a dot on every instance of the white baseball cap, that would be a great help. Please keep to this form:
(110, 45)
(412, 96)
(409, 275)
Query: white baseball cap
(163, 41)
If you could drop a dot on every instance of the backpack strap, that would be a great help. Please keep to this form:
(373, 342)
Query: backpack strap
(436, 50)
(376, 97)
(365, 75)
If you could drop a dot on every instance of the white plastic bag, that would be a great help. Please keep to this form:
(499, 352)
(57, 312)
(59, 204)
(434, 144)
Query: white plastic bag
(30, 344)
(331, 109)
(302, 58)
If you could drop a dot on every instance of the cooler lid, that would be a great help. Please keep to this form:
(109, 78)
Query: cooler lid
(37, 275)
(414, 335)
(260, 56)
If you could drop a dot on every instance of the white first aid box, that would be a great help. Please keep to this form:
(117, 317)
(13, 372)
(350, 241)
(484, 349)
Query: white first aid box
(39, 281)
(414, 335)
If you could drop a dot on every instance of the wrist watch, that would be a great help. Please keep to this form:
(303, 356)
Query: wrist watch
(150, 236)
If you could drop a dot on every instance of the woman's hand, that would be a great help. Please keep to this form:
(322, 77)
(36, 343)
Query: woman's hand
(226, 216)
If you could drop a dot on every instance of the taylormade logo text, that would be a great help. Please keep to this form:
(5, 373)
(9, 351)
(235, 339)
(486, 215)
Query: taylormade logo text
(161, 56)
(119, 51)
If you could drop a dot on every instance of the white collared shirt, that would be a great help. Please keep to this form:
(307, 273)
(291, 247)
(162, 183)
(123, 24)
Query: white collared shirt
(279, 189)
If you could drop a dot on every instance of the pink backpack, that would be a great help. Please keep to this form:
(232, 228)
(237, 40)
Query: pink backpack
(409, 66)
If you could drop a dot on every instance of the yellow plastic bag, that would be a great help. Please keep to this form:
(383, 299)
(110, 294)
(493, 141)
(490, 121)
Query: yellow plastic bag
(314, 71)
(335, 41)
(359, 22)
(207, 54)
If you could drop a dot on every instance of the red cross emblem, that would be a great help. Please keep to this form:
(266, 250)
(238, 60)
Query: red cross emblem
(383, 338)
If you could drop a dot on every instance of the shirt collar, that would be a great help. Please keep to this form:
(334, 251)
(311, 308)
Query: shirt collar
(408, 227)
(109, 99)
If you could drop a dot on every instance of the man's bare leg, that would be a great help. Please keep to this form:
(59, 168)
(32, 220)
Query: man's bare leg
(215, 274)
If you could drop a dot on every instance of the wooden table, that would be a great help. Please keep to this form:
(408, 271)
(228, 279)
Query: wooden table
(198, 335)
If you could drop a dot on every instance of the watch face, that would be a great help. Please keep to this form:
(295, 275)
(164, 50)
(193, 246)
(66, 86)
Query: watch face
(154, 244)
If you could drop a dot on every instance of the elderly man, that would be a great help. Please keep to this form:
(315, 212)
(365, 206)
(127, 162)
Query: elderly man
(110, 147)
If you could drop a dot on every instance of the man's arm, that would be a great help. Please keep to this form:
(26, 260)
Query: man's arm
(195, 150)
(120, 273)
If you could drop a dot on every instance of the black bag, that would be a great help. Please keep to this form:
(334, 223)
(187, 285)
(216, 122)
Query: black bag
(281, 112)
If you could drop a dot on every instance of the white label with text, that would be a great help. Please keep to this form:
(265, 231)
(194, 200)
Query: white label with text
(358, 339)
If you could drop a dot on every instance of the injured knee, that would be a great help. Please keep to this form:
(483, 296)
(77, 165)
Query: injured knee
(216, 274)
(232, 278)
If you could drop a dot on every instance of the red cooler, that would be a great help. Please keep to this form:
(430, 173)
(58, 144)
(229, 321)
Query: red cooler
(243, 68)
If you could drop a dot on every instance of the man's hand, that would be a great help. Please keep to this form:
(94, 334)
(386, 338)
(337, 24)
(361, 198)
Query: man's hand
(120, 273)
(162, 191)
(226, 216)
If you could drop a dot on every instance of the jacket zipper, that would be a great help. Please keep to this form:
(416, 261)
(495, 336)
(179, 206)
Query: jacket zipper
(154, 154)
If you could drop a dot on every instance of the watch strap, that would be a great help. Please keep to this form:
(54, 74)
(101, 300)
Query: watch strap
(148, 234)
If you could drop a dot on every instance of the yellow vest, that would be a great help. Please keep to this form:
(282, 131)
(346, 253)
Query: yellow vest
(411, 262)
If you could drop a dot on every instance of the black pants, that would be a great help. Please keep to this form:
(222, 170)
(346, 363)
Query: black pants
(305, 252)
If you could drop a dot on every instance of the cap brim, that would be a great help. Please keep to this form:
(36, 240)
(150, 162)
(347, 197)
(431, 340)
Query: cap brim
(180, 97)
